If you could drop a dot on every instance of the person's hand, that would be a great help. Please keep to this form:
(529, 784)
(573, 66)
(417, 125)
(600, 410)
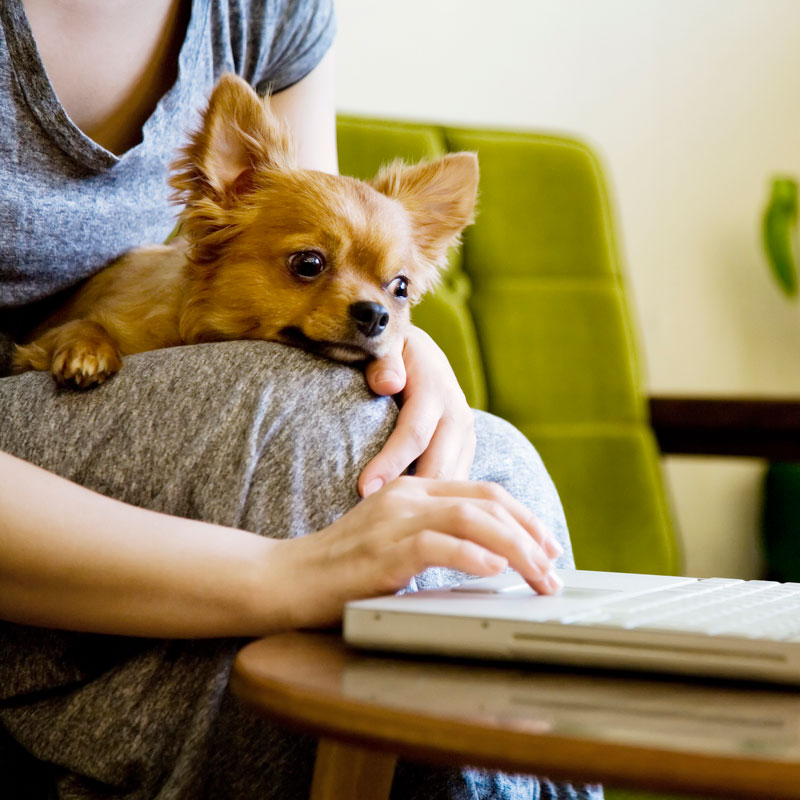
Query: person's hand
(435, 425)
(409, 525)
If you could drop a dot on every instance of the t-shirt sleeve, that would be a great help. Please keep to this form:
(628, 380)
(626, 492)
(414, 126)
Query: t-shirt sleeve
(294, 36)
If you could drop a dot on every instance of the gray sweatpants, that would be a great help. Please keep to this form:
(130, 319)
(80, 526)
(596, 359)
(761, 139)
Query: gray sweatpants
(248, 434)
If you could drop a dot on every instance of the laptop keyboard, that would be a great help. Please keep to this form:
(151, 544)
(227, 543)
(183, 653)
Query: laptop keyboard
(713, 606)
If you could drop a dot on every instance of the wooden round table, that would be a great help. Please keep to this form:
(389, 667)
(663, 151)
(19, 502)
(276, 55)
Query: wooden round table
(731, 740)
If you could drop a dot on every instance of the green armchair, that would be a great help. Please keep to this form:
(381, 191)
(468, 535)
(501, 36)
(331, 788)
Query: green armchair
(534, 318)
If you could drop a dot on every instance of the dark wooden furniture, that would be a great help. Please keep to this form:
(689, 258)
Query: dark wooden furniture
(729, 740)
(727, 426)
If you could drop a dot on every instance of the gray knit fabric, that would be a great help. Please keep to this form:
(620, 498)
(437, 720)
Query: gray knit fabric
(248, 434)
(67, 205)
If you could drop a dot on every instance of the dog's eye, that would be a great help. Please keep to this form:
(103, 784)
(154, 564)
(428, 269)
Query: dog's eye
(399, 286)
(307, 264)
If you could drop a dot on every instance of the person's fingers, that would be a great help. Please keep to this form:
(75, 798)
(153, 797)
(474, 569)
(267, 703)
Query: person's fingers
(498, 542)
(387, 375)
(493, 492)
(484, 522)
(496, 531)
(435, 426)
(428, 548)
(450, 452)
(416, 424)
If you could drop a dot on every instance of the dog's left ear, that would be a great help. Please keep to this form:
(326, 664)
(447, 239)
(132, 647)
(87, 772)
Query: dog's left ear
(440, 197)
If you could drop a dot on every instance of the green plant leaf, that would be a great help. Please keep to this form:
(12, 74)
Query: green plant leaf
(780, 233)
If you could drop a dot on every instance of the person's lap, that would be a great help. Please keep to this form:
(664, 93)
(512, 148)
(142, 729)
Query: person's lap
(253, 435)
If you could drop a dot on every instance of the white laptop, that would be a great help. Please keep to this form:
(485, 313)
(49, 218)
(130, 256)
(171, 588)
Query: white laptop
(712, 627)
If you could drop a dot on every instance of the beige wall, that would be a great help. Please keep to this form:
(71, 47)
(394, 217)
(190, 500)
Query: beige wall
(692, 104)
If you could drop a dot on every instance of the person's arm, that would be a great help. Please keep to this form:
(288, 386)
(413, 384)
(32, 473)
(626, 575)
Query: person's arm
(308, 107)
(71, 558)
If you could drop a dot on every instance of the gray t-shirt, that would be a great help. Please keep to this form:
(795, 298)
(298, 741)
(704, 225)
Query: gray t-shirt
(67, 205)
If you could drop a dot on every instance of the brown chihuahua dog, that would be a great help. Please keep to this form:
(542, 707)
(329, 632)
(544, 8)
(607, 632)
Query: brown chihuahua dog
(266, 251)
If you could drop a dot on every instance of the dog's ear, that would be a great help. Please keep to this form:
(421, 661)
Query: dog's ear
(439, 196)
(238, 137)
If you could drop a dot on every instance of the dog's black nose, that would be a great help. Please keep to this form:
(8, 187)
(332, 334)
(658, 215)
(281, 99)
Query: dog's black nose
(371, 318)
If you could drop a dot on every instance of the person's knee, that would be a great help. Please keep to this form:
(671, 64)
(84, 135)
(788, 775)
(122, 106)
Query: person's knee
(502, 451)
(281, 436)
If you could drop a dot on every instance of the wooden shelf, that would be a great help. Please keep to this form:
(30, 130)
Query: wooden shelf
(727, 426)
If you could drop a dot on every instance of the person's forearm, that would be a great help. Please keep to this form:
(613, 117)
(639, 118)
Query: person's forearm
(71, 558)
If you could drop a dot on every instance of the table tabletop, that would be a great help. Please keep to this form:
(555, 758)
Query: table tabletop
(727, 739)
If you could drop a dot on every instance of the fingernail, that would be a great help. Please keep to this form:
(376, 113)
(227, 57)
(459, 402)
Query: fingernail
(553, 548)
(386, 377)
(373, 486)
(553, 581)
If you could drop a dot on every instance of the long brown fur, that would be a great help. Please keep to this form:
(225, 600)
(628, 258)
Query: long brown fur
(248, 211)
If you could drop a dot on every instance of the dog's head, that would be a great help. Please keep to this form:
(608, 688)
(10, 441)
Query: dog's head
(326, 262)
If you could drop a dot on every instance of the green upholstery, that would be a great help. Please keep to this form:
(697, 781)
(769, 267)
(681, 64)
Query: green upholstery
(534, 319)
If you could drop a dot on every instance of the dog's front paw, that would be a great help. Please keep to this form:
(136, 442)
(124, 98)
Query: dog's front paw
(85, 363)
